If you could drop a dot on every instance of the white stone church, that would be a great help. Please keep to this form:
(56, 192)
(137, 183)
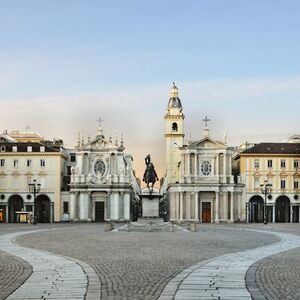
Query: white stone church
(199, 185)
(103, 186)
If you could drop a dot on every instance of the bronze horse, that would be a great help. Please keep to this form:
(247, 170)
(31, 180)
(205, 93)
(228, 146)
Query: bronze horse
(150, 175)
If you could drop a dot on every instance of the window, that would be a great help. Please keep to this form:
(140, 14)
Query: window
(42, 149)
(2, 148)
(66, 207)
(73, 157)
(174, 126)
(256, 183)
(282, 163)
(270, 162)
(29, 148)
(2, 162)
(282, 184)
(15, 149)
(296, 185)
(256, 163)
(296, 164)
(29, 161)
(16, 162)
(43, 163)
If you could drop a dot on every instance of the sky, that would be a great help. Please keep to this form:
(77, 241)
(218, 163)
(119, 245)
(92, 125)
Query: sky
(64, 63)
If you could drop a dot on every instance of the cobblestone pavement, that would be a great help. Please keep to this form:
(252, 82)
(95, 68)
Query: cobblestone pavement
(278, 276)
(13, 272)
(53, 276)
(224, 277)
(139, 265)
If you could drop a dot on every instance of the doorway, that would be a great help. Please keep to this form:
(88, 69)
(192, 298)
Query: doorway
(15, 203)
(256, 209)
(206, 212)
(283, 209)
(42, 209)
(99, 211)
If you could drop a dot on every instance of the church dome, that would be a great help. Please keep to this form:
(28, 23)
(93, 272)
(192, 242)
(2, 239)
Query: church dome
(174, 100)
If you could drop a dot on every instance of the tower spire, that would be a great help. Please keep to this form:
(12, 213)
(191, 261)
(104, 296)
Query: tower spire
(174, 91)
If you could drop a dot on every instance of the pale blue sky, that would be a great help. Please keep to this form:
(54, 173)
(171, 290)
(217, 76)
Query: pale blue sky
(63, 63)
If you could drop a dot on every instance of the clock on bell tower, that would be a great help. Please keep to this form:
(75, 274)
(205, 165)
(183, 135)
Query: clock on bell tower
(174, 134)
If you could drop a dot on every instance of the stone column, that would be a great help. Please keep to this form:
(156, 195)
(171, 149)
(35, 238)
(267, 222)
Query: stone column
(247, 212)
(273, 214)
(114, 207)
(196, 207)
(72, 206)
(196, 165)
(126, 199)
(299, 213)
(217, 220)
(224, 168)
(6, 212)
(181, 206)
(82, 207)
(172, 202)
(225, 201)
(216, 172)
(177, 206)
(188, 206)
(188, 165)
(291, 213)
(88, 206)
(231, 208)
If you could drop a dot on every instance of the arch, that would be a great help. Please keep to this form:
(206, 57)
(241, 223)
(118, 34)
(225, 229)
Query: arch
(174, 126)
(42, 209)
(256, 209)
(282, 209)
(15, 203)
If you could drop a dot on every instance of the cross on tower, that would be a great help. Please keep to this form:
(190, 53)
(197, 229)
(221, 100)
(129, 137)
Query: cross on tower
(205, 120)
(100, 121)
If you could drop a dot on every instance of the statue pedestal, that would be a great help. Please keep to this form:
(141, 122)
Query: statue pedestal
(150, 207)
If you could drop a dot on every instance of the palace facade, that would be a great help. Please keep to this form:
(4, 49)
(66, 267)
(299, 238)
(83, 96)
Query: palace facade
(277, 164)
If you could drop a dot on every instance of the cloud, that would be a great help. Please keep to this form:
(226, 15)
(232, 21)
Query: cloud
(240, 107)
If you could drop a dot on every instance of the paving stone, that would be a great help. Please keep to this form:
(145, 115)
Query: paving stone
(224, 276)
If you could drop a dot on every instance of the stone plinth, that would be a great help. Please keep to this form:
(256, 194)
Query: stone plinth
(150, 207)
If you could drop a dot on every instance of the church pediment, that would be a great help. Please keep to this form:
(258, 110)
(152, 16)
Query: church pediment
(100, 143)
(207, 143)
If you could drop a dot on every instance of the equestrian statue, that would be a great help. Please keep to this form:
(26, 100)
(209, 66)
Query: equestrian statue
(150, 175)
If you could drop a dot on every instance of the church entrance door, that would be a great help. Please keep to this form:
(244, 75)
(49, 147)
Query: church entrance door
(206, 212)
(99, 211)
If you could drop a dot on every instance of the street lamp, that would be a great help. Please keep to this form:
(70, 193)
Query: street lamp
(34, 188)
(266, 190)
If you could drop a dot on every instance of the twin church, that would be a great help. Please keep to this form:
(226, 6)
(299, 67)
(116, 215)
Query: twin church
(205, 181)
(199, 185)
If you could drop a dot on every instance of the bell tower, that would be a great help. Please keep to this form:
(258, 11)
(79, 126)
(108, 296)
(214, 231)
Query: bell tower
(174, 135)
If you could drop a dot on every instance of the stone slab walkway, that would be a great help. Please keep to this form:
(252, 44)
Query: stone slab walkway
(53, 276)
(223, 277)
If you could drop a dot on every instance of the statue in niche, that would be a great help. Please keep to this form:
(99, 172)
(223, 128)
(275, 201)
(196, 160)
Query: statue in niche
(150, 176)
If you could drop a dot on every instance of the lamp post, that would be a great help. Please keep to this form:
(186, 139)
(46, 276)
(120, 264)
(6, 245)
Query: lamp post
(266, 190)
(34, 188)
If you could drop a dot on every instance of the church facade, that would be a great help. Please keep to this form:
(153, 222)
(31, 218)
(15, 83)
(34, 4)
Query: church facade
(199, 185)
(103, 186)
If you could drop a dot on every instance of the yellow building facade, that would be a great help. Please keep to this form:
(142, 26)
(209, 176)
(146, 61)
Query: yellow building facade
(20, 164)
(277, 164)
